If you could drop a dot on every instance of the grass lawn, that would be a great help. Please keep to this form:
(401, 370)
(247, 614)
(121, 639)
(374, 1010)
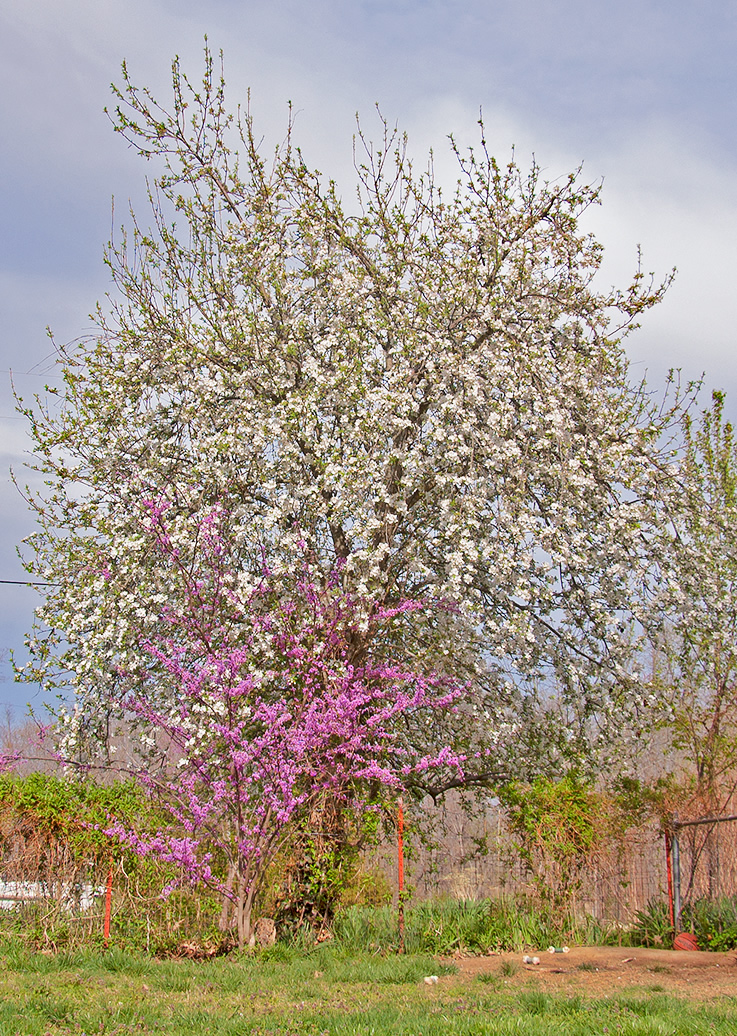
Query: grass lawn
(285, 993)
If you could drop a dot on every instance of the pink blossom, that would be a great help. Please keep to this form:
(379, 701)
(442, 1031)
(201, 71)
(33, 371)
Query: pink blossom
(268, 721)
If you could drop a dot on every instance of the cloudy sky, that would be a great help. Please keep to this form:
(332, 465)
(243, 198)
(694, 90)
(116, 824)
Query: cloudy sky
(643, 93)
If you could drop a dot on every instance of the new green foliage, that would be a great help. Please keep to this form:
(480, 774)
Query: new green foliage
(559, 826)
(695, 666)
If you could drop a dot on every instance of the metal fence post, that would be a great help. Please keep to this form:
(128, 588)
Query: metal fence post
(400, 872)
(669, 872)
(676, 879)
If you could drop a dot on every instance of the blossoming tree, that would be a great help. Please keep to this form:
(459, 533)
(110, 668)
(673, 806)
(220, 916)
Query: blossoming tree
(429, 389)
(265, 723)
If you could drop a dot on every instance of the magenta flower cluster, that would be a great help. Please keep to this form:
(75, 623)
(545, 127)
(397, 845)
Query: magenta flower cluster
(278, 702)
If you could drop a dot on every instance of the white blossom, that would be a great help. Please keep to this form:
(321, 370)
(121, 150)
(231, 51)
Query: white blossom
(427, 390)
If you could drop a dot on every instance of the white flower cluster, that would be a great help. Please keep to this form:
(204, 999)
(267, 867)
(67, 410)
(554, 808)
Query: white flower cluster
(427, 392)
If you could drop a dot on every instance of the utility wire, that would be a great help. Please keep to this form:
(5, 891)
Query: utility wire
(31, 374)
(26, 582)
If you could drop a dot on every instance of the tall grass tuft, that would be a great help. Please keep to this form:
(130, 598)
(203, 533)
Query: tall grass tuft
(455, 926)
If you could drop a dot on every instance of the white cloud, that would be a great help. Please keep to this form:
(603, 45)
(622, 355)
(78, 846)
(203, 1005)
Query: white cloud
(664, 194)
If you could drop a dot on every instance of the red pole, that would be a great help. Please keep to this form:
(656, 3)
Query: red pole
(108, 902)
(669, 868)
(400, 871)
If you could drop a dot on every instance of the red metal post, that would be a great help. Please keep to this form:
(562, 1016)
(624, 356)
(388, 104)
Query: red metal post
(108, 902)
(400, 871)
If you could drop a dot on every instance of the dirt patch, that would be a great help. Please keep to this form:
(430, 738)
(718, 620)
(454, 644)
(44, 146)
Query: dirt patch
(608, 970)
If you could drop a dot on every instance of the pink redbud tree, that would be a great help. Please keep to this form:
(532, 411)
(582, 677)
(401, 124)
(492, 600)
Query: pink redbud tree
(267, 712)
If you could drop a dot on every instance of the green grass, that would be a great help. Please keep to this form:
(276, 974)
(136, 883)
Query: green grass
(322, 992)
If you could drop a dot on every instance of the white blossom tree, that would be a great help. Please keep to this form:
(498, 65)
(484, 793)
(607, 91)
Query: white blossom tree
(429, 390)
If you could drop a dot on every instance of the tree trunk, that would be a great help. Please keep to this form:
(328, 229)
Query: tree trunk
(224, 922)
(243, 910)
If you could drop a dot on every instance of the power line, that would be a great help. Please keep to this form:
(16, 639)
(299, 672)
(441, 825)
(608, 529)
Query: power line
(26, 582)
(31, 374)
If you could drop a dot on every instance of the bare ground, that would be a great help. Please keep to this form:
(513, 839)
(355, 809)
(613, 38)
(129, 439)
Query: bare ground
(606, 970)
